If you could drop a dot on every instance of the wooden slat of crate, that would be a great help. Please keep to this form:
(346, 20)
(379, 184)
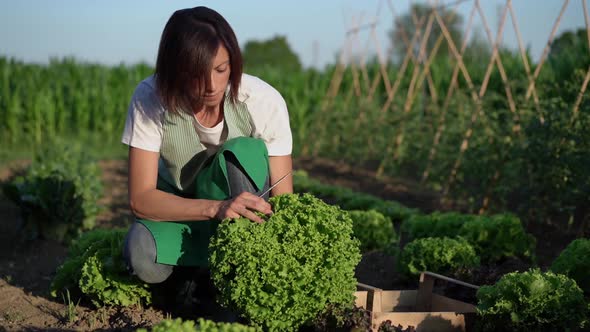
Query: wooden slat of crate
(399, 307)
(420, 308)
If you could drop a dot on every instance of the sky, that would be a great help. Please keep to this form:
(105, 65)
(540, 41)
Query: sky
(116, 31)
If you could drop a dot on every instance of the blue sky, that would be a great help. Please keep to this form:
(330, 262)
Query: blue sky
(112, 32)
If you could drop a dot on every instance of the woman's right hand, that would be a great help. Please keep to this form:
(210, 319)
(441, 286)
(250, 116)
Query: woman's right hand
(243, 205)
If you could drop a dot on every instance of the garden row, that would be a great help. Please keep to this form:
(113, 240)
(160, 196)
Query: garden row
(537, 172)
(296, 270)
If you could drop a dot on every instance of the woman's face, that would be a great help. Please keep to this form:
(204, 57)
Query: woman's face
(219, 78)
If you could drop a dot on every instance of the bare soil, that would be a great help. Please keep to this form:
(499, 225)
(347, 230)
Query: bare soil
(27, 267)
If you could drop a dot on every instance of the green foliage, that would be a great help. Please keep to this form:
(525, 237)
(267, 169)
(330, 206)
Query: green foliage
(568, 54)
(282, 273)
(549, 177)
(439, 255)
(539, 174)
(531, 301)
(71, 311)
(348, 199)
(493, 237)
(497, 237)
(436, 224)
(58, 196)
(574, 262)
(65, 98)
(373, 229)
(178, 325)
(272, 53)
(303, 91)
(95, 269)
(405, 27)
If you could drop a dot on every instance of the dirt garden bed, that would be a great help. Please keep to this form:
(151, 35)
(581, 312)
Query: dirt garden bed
(27, 267)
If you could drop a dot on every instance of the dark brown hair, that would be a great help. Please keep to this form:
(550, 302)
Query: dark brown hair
(185, 57)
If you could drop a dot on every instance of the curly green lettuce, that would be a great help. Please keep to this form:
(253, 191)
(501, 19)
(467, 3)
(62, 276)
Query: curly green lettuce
(531, 301)
(441, 255)
(373, 229)
(574, 262)
(95, 269)
(203, 325)
(282, 273)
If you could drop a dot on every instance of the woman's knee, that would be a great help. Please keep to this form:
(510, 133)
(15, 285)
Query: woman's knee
(238, 179)
(140, 253)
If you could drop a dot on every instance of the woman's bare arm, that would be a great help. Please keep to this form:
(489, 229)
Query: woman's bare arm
(279, 166)
(150, 203)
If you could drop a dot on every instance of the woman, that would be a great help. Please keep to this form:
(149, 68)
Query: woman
(204, 142)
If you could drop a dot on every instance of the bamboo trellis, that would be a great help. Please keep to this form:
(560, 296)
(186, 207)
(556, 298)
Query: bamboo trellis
(365, 87)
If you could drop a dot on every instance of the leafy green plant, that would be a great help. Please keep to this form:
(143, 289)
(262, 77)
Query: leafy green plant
(71, 311)
(574, 262)
(58, 195)
(338, 318)
(552, 181)
(282, 273)
(440, 255)
(373, 229)
(95, 269)
(348, 199)
(436, 224)
(497, 237)
(531, 301)
(204, 325)
(493, 237)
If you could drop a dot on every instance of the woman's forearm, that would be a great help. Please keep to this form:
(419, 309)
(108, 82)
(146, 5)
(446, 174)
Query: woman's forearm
(158, 205)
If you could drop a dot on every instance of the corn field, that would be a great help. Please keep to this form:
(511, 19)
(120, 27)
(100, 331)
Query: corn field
(64, 99)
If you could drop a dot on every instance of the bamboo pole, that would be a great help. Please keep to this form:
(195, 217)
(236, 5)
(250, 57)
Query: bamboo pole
(404, 34)
(441, 121)
(412, 88)
(360, 119)
(525, 60)
(378, 77)
(474, 96)
(361, 116)
(409, 55)
(587, 78)
(398, 80)
(402, 69)
(587, 20)
(431, 85)
(416, 71)
(411, 93)
(333, 89)
(580, 97)
(546, 50)
(355, 76)
(490, 67)
(498, 60)
(382, 62)
(362, 62)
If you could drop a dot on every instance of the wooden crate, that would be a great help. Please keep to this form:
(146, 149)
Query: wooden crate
(421, 308)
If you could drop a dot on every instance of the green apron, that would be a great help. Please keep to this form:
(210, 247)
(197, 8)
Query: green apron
(186, 243)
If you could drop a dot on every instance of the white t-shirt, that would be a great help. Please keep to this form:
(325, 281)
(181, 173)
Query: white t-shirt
(268, 110)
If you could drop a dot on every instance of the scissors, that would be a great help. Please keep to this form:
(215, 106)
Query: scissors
(275, 184)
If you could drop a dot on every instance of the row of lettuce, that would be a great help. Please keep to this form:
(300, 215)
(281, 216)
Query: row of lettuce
(302, 261)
